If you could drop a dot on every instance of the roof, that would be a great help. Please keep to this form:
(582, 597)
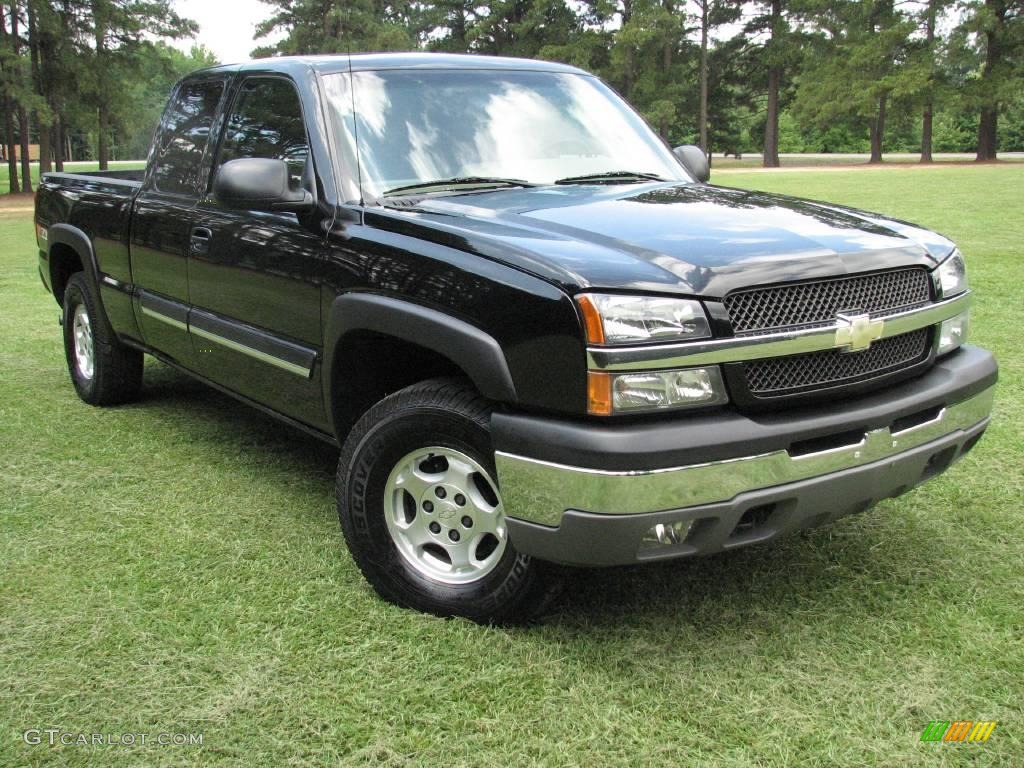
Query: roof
(369, 61)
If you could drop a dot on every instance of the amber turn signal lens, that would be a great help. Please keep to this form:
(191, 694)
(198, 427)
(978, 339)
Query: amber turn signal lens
(599, 393)
(591, 320)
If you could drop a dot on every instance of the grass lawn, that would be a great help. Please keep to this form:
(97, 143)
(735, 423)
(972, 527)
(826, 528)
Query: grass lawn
(176, 566)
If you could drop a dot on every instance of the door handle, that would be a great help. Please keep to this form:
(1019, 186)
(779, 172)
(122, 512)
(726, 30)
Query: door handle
(200, 240)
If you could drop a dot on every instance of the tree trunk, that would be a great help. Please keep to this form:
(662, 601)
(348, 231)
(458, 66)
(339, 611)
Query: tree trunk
(37, 80)
(988, 123)
(103, 148)
(771, 127)
(629, 78)
(926, 133)
(56, 145)
(26, 161)
(102, 107)
(705, 22)
(26, 167)
(770, 157)
(12, 160)
(60, 95)
(988, 119)
(878, 130)
(929, 104)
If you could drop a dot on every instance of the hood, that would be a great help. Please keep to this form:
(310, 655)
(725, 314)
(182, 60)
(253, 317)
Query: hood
(690, 239)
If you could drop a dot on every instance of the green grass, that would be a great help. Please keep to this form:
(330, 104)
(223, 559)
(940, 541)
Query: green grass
(176, 565)
(75, 167)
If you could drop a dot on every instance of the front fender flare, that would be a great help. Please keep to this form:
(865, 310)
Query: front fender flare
(473, 350)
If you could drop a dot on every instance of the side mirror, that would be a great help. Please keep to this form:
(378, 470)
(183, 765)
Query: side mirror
(259, 184)
(694, 160)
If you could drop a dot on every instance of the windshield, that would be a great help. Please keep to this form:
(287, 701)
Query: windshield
(419, 126)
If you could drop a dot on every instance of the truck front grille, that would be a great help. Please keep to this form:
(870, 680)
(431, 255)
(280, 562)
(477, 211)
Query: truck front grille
(780, 376)
(815, 304)
(756, 310)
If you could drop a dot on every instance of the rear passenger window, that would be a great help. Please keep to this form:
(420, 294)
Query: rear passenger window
(186, 130)
(266, 121)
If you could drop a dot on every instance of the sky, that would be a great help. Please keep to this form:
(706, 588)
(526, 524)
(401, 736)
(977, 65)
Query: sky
(226, 27)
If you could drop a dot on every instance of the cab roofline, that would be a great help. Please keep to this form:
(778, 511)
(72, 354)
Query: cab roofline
(329, 64)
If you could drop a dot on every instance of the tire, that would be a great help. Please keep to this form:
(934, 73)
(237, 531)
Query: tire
(104, 371)
(420, 510)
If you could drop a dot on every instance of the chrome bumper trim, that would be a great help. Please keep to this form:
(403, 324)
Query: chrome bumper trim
(541, 491)
(740, 348)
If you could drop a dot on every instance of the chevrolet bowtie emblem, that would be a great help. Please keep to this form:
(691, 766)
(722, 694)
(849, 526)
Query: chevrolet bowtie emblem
(856, 332)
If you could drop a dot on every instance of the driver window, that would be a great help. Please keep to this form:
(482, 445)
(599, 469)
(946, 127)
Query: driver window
(265, 121)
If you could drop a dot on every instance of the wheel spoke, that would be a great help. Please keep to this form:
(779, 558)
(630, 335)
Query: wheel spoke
(460, 473)
(412, 480)
(417, 532)
(460, 554)
(489, 522)
(82, 334)
(487, 515)
(399, 515)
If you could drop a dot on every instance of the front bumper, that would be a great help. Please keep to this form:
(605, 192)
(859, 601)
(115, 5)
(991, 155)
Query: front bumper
(725, 480)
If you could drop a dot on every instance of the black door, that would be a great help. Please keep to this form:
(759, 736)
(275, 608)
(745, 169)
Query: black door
(162, 220)
(255, 282)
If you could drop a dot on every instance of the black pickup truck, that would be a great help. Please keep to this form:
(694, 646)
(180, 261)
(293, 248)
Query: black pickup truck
(534, 331)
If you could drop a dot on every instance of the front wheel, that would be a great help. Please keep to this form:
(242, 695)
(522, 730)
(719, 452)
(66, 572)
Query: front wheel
(421, 512)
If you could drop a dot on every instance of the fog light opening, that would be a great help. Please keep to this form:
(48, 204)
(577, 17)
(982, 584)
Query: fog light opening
(753, 519)
(939, 462)
(666, 534)
(953, 333)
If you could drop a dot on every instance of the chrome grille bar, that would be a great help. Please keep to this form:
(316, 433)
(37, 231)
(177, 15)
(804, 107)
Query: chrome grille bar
(738, 349)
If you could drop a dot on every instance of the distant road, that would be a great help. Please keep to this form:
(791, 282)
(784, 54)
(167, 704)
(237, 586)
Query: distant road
(841, 159)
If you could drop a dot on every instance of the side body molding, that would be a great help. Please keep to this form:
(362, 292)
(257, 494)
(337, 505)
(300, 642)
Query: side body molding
(473, 350)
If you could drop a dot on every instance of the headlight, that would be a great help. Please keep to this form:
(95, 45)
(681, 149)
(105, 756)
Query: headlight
(631, 319)
(654, 390)
(952, 275)
(953, 332)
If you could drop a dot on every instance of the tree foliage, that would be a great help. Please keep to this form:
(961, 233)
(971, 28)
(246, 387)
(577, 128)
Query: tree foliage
(88, 78)
(80, 68)
(735, 75)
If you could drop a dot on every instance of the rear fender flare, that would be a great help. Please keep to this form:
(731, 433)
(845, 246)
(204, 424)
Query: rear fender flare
(78, 241)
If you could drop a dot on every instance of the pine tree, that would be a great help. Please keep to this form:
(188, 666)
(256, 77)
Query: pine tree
(999, 27)
(856, 66)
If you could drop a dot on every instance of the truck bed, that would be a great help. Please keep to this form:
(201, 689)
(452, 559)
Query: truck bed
(130, 177)
(97, 204)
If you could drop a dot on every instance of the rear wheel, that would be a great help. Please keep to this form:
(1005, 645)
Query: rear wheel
(422, 513)
(104, 371)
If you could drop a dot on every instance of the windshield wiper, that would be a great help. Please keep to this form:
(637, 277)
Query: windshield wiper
(460, 181)
(611, 177)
